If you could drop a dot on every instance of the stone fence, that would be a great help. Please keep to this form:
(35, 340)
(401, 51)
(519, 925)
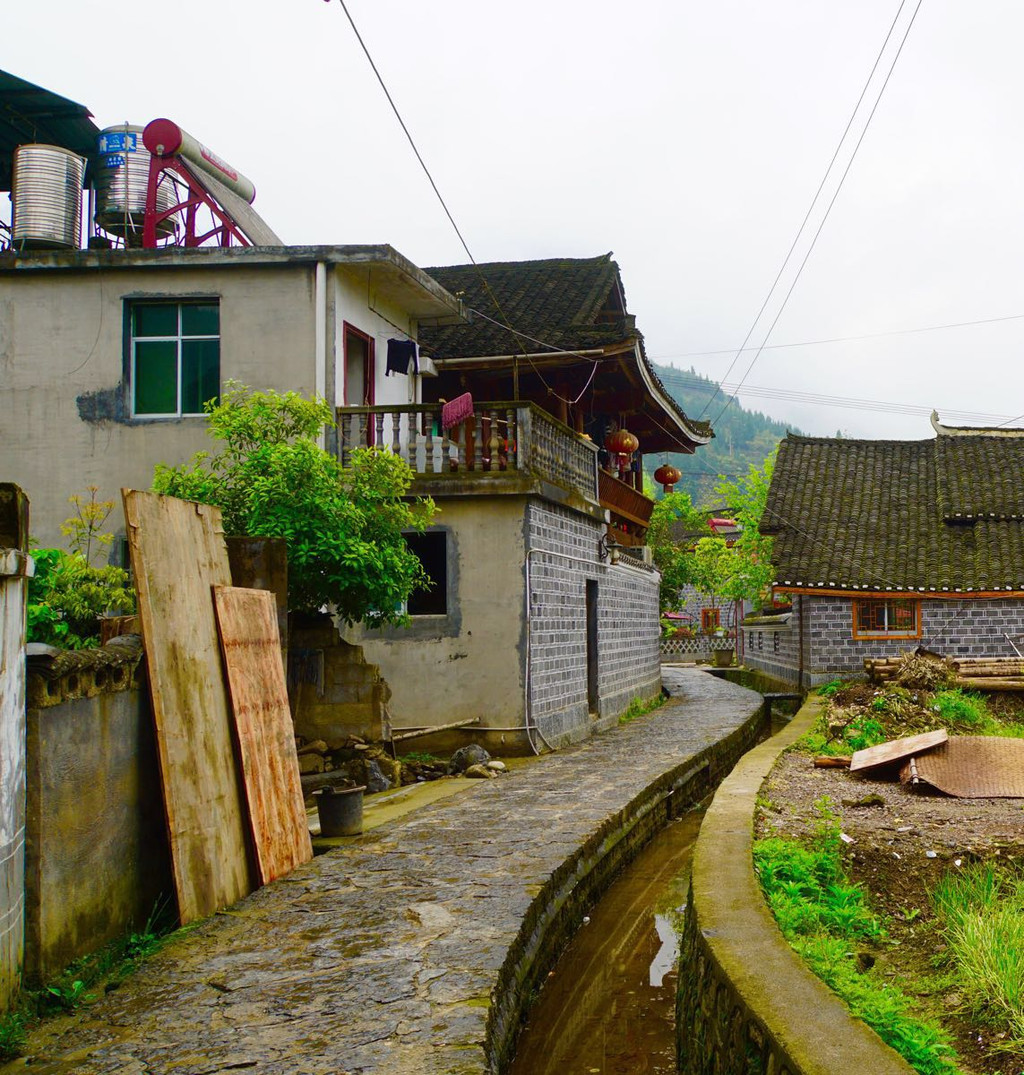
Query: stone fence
(97, 863)
(747, 1003)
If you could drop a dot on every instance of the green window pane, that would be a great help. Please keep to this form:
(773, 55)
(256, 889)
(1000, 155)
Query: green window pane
(155, 319)
(156, 377)
(200, 319)
(200, 374)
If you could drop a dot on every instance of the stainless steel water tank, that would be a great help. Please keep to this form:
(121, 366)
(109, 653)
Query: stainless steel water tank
(47, 198)
(122, 177)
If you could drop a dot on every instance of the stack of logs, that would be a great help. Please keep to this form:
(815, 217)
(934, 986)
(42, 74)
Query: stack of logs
(978, 673)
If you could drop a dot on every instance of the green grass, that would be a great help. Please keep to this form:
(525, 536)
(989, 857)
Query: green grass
(824, 916)
(981, 915)
(638, 707)
(12, 1035)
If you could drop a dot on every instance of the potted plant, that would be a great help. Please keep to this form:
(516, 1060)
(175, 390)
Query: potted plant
(722, 649)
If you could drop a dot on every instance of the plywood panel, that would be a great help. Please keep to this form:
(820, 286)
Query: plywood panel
(896, 749)
(249, 640)
(178, 554)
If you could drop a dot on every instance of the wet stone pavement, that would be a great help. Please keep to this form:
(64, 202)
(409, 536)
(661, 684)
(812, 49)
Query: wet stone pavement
(381, 956)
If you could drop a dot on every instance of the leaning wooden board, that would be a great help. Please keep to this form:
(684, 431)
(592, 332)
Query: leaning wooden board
(251, 645)
(178, 554)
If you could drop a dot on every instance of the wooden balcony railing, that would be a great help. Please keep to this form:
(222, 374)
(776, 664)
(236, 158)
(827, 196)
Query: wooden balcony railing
(499, 437)
(630, 510)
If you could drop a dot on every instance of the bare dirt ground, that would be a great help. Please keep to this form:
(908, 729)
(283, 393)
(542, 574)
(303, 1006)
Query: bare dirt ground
(901, 847)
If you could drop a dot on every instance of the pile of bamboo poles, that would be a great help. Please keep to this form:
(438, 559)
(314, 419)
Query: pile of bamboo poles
(978, 673)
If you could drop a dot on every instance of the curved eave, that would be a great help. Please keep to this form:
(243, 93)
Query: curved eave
(692, 431)
(973, 431)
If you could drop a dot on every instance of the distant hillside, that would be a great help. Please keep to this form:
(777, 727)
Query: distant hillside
(741, 437)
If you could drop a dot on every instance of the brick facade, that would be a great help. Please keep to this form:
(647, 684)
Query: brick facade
(970, 627)
(562, 556)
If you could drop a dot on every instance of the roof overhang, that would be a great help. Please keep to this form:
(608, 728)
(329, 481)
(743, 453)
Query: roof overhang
(391, 275)
(29, 113)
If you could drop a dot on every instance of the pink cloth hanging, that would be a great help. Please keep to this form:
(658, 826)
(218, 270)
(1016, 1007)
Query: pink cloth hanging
(458, 410)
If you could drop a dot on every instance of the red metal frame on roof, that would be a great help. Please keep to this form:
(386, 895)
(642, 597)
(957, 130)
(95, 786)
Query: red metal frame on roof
(225, 231)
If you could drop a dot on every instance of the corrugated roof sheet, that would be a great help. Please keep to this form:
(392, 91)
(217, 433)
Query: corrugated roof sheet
(30, 113)
(934, 515)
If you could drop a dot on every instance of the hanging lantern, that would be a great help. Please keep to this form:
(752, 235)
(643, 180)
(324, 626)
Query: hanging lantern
(621, 442)
(667, 476)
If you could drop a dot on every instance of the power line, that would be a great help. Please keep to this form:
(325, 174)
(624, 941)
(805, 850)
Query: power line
(504, 323)
(839, 187)
(684, 379)
(814, 201)
(843, 339)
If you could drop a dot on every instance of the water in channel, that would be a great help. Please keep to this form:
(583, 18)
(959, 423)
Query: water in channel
(609, 1006)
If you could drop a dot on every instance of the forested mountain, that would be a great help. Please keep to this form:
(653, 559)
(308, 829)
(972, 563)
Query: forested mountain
(741, 437)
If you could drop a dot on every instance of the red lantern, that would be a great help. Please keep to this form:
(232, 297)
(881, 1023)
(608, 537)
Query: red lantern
(667, 476)
(621, 442)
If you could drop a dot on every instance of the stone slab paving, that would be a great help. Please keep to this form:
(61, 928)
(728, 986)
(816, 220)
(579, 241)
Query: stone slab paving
(382, 956)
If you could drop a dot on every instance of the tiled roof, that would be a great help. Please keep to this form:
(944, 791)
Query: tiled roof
(557, 300)
(942, 515)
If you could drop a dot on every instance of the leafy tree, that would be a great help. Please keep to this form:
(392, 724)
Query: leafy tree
(746, 498)
(670, 556)
(342, 525)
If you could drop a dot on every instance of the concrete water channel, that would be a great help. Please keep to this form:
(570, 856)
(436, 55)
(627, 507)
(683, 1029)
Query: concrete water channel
(608, 1006)
(417, 948)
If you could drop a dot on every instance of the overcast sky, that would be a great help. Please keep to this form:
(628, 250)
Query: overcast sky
(688, 138)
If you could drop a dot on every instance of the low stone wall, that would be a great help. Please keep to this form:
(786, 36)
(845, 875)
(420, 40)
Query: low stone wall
(747, 1003)
(96, 855)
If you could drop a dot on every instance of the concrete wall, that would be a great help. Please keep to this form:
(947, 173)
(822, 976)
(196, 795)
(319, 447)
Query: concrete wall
(14, 569)
(62, 358)
(97, 862)
(471, 663)
(468, 663)
(64, 409)
(955, 628)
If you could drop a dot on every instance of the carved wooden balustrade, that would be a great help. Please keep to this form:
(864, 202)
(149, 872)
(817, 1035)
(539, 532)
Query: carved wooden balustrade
(631, 510)
(498, 438)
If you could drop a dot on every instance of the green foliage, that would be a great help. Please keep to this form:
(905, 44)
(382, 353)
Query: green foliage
(834, 686)
(68, 594)
(343, 526)
(638, 707)
(670, 557)
(863, 732)
(981, 915)
(957, 707)
(820, 913)
(12, 1035)
(745, 498)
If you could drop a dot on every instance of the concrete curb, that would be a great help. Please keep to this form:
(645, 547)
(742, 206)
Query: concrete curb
(747, 1002)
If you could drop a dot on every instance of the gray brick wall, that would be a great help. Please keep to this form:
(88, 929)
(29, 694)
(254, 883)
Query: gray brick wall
(961, 628)
(563, 555)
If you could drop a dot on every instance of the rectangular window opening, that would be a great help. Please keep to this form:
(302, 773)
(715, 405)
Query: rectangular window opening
(431, 549)
(175, 357)
(889, 618)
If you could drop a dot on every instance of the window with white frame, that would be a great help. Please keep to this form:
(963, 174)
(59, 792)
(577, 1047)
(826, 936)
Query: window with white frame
(175, 357)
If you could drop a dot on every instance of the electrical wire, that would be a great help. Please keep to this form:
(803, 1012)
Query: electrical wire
(505, 322)
(814, 201)
(843, 339)
(684, 379)
(835, 195)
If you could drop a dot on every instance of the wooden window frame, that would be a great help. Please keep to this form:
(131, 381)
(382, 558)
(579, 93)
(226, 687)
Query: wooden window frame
(860, 632)
(710, 620)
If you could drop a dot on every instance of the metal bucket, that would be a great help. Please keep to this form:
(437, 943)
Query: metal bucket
(340, 811)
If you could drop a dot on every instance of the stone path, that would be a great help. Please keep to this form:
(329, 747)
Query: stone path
(385, 955)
